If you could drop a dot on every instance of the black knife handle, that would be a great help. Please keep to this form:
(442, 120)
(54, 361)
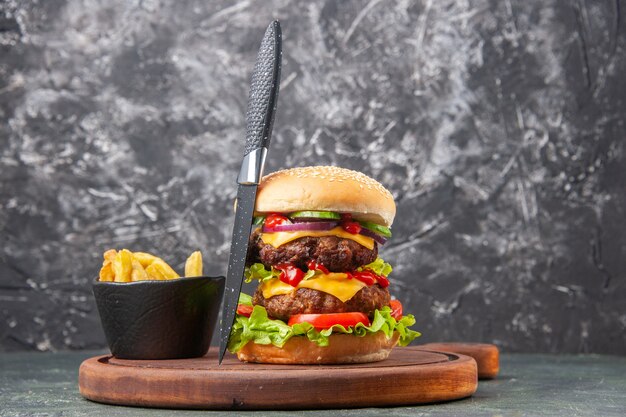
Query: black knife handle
(264, 86)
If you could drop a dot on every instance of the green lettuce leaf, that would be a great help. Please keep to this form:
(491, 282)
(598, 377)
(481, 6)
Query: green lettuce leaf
(245, 299)
(259, 328)
(379, 267)
(258, 272)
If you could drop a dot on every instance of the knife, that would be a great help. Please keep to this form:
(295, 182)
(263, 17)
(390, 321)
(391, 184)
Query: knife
(262, 101)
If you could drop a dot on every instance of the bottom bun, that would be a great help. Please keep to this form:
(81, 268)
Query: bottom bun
(342, 348)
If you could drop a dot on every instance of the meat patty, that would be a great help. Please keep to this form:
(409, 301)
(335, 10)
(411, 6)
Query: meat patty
(336, 254)
(307, 301)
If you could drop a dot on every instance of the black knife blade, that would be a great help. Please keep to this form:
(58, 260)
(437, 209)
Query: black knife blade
(262, 101)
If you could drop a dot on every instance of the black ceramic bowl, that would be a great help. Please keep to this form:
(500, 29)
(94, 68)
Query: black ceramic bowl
(170, 319)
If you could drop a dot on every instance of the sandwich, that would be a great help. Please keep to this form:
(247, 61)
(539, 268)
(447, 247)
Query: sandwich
(323, 290)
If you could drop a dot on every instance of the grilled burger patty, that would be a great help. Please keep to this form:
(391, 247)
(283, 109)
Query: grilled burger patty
(336, 254)
(308, 301)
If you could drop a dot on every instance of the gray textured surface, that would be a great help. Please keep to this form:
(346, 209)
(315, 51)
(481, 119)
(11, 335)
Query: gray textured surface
(498, 126)
(45, 384)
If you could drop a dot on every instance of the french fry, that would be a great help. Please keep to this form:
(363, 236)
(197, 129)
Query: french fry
(138, 273)
(122, 266)
(106, 272)
(127, 266)
(110, 255)
(160, 270)
(193, 265)
(144, 258)
(155, 273)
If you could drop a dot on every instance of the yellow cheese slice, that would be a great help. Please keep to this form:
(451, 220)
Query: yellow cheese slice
(280, 238)
(335, 283)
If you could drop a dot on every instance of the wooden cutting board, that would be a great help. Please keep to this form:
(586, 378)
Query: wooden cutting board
(411, 375)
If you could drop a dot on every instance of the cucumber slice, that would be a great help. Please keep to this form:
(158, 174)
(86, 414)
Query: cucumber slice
(258, 220)
(315, 215)
(377, 228)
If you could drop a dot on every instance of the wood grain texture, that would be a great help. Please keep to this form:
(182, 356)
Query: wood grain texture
(410, 376)
(487, 356)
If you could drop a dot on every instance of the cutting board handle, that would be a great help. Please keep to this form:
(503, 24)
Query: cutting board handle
(487, 356)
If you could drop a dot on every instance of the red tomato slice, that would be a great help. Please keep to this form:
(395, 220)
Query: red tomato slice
(275, 219)
(325, 321)
(396, 309)
(244, 310)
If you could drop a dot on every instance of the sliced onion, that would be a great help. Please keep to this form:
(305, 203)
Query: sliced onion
(320, 226)
(369, 233)
(302, 227)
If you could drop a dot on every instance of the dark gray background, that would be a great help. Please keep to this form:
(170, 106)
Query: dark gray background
(497, 125)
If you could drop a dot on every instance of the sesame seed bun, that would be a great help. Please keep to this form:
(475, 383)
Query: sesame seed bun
(326, 188)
